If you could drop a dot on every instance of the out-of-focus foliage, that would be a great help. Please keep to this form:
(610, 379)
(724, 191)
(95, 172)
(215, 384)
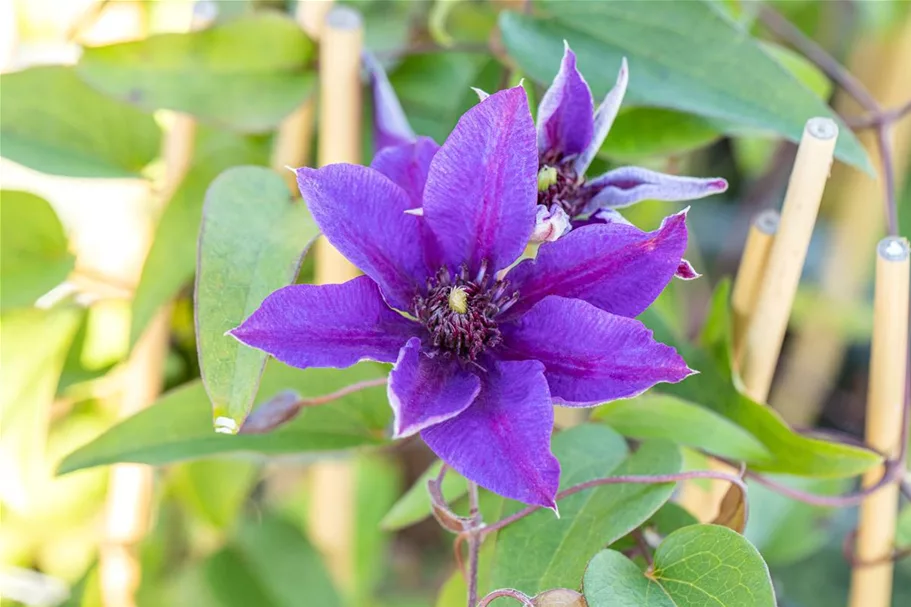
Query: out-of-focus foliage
(711, 93)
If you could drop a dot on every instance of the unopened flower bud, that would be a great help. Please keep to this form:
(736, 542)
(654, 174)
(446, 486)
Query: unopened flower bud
(550, 224)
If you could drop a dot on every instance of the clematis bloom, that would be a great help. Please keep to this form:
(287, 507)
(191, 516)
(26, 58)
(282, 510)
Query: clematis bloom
(570, 133)
(481, 349)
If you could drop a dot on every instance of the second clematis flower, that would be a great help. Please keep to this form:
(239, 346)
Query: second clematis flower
(481, 349)
(570, 133)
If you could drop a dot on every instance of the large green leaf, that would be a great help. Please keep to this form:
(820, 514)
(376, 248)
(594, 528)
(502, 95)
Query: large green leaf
(643, 132)
(55, 123)
(171, 262)
(247, 73)
(542, 551)
(253, 237)
(687, 56)
(715, 388)
(34, 255)
(35, 344)
(179, 425)
(700, 565)
(664, 416)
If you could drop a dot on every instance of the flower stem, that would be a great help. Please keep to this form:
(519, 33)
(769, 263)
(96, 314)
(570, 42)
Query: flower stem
(474, 544)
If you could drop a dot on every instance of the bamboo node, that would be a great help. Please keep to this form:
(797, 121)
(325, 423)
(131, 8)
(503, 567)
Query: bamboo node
(822, 128)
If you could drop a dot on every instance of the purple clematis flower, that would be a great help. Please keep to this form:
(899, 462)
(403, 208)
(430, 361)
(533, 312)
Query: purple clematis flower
(570, 133)
(481, 349)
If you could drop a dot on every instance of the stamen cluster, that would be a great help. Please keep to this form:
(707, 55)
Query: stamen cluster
(567, 190)
(459, 311)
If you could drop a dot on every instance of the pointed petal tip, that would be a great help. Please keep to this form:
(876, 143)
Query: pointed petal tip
(718, 185)
(686, 271)
(482, 95)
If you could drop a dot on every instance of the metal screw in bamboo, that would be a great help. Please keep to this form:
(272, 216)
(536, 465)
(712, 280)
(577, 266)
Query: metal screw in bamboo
(871, 585)
(331, 512)
(769, 321)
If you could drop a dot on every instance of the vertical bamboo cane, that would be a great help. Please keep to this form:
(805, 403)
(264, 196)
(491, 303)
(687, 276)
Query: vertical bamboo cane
(767, 327)
(703, 503)
(871, 585)
(292, 142)
(332, 496)
(816, 354)
(750, 274)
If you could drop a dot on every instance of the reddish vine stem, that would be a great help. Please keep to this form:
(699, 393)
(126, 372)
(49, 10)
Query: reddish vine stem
(507, 592)
(878, 118)
(847, 550)
(875, 119)
(616, 480)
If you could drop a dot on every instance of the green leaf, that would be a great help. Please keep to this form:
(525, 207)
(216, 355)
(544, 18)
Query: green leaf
(542, 551)
(247, 73)
(171, 262)
(662, 416)
(801, 67)
(287, 567)
(35, 344)
(694, 566)
(643, 132)
(414, 506)
(214, 489)
(34, 255)
(179, 425)
(376, 485)
(688, 56)
(55, 123)
(253, 238)
(714, 388)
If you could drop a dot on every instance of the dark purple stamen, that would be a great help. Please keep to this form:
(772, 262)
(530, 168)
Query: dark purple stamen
(569, 191)
(464, 324)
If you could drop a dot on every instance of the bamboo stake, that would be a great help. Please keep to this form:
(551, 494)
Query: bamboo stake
(816, 353)
(871, 585)
(750, 274)
(331, 514)
(767, 327)
(703, 502)
(292, 142)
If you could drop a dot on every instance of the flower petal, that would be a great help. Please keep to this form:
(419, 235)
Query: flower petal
(550, 224)
(390, 126)
(614, 266)
(604, 119)
(686, 271)
(362, 213)
(424, 391)
(327, 325)
(629, 185)
(566, 113)
(481, 191)
(407, 166)
(590, 356)
(502, 441)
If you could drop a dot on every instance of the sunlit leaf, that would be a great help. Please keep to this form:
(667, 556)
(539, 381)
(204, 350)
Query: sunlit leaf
(35, 344)
(34, 255)
(179, 425)
(252, 240)
(542, 551)
(696, 565)
(214, 489)
(247, 73)
(55, 123)
(656, 415)
(688, 56)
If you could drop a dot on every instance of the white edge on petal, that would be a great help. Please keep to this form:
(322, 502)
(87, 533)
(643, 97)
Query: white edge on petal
(604, 119)
(417, 212)
(482, 95)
